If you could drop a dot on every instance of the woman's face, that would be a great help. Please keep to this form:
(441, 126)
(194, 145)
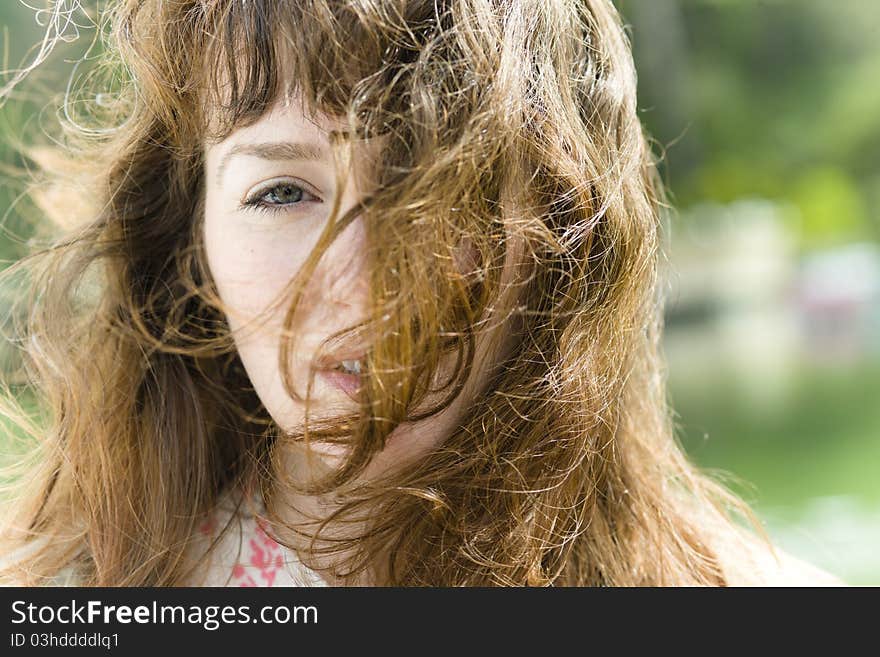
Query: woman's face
(269, 192)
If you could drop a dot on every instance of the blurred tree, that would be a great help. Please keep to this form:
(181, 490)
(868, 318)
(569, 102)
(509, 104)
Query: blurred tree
(774, 99)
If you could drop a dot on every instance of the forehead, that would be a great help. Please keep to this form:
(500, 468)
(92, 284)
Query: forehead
(287, 114)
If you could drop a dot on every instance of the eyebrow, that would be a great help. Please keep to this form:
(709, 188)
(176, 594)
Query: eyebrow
(283, 150)
(278, 150)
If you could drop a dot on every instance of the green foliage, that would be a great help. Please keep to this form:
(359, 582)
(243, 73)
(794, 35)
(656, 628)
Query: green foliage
(820, 439)
(832, 207)
(772, 99)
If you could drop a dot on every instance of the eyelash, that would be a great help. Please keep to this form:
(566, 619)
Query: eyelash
(253, 203)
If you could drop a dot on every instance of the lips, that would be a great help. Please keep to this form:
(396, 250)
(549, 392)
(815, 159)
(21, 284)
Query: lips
(348, 383)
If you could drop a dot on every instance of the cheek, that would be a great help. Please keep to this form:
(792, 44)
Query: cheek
(250, 268)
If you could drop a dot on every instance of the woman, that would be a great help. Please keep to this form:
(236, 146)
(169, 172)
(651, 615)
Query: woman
(361, 293)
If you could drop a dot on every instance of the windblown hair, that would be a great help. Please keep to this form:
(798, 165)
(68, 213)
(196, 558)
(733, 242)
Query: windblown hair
(501, 123)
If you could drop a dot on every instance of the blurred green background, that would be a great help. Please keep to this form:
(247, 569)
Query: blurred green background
(767, 116)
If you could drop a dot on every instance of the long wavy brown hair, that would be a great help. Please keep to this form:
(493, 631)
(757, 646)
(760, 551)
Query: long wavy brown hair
(502, 123)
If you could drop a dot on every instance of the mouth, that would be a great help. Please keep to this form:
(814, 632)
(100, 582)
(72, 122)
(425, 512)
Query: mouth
(351, 362)
(343, 372)
(349, 366)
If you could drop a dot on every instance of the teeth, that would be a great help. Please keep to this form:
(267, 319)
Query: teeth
(352, 366)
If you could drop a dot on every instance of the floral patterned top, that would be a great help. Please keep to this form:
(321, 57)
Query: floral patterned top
(246, 555)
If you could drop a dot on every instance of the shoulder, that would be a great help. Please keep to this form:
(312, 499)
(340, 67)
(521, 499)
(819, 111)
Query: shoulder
(749, 560)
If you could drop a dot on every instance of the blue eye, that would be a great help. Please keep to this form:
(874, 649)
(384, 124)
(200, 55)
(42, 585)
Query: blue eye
(278, 196)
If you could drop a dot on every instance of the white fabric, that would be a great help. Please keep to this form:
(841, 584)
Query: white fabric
(246, 555)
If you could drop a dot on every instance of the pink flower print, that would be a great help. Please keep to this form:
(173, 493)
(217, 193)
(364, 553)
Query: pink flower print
(265, 555)
(263, 536)
(267, 558)
(238, 572)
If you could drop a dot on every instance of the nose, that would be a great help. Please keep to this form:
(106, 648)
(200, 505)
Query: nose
(344, 282)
